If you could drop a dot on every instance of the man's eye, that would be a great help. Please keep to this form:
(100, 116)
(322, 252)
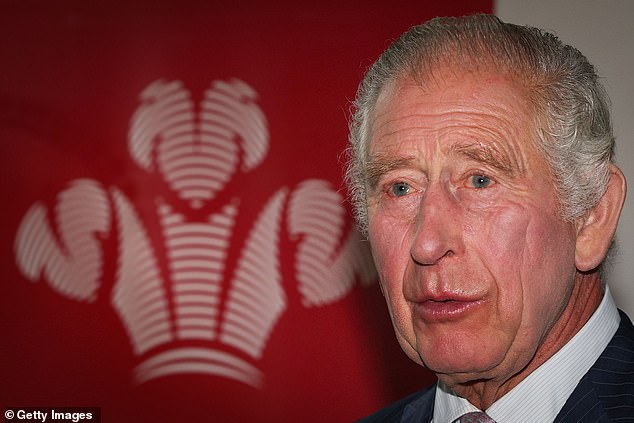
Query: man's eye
(400, 189)
(480, 181)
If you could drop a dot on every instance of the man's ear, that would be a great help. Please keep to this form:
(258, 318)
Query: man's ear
(596, 229)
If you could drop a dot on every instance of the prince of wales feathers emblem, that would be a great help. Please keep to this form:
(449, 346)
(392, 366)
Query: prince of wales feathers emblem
(191, 321)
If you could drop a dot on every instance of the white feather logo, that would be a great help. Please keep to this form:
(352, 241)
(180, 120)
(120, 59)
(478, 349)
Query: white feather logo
(191, 320)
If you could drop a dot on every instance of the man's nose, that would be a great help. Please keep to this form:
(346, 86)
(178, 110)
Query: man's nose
(439, 227)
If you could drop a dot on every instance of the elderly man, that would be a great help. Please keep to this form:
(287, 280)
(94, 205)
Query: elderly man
(482, 172)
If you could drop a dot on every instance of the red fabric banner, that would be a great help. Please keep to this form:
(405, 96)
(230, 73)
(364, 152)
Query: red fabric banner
(176, 245)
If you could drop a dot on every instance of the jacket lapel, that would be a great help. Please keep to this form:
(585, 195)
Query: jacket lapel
(583, 406)
(606, 392)
(421, 410)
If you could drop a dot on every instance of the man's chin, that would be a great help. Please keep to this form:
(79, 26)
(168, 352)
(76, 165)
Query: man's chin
(457, 370)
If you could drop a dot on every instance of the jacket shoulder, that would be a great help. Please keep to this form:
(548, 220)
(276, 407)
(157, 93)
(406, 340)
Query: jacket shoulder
(394, 412)
(613, 373)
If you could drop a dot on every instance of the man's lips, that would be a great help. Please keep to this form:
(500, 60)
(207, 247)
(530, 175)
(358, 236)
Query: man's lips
(443, 309)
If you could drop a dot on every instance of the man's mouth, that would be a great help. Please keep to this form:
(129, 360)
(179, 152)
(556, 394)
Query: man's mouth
(445, 309)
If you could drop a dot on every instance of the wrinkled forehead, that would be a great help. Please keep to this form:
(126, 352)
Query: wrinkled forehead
(454, 86)
(468, 110)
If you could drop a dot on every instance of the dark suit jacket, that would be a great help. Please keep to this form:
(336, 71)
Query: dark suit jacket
(604, 394)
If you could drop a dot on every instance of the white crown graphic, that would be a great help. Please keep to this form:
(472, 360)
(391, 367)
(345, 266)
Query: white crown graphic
(194, 319)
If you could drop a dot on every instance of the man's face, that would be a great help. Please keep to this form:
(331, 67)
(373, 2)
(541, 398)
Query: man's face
(474, 262)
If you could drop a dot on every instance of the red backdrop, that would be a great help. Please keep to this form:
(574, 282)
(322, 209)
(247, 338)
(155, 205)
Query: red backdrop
(99, 284)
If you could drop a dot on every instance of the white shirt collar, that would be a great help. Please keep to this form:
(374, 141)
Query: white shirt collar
(543, 393)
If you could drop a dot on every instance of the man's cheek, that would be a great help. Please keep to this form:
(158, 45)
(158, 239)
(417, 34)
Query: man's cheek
(388, 243)
(505, 228)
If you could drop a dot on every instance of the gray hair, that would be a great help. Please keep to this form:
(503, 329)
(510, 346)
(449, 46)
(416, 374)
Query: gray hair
(571, 108)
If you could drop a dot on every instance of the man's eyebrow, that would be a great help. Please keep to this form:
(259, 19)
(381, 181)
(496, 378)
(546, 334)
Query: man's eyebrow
(484, 153)
(380, 165)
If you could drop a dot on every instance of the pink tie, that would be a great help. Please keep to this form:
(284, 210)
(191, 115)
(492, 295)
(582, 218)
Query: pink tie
(475, 417)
